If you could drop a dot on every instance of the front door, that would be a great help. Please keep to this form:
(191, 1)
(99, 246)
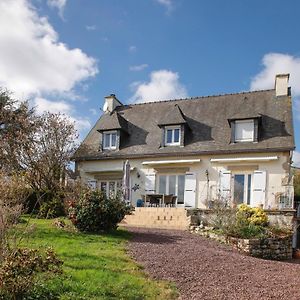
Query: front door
(242, 188)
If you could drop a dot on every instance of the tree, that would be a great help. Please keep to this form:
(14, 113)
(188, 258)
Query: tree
(17, 122)
(39, 146)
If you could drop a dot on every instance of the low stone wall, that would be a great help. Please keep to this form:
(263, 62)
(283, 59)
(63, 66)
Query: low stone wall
(267, 248)
(279, 248)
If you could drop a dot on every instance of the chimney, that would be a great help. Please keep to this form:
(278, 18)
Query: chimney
(281, 84)
(111, 102)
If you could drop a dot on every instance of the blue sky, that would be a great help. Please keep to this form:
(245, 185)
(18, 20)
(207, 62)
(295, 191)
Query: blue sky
(66, 55)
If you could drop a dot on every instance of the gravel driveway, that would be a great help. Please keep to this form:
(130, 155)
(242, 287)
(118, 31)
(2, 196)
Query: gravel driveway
(204, 269)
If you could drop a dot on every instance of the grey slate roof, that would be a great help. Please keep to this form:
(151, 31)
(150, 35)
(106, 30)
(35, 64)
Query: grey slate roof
(111, 121)
(173, 116)
(207, 120)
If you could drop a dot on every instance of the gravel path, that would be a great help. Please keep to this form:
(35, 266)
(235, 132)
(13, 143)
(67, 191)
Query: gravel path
(204, 269)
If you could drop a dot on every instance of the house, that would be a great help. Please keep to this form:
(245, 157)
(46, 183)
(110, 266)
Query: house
(236, 147)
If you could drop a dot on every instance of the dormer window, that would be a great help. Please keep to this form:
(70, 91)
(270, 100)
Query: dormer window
(244, 131)
(110, 140)
(172, 135)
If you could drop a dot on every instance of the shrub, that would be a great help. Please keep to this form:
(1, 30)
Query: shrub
(252, 215)
(94, 212)
(22, 269)
(52, 209)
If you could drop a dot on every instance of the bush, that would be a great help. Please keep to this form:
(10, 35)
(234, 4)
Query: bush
(94, 212)
(51, 209)
(22, 269)
(252, 215)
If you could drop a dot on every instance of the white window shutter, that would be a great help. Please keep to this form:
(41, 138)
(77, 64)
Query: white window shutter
(225, 185)
(190, 190)
(150, 183)
(259, 188)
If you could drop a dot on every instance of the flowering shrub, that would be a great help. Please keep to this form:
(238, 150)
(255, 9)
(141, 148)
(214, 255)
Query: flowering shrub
(252, 215)
(94, 211)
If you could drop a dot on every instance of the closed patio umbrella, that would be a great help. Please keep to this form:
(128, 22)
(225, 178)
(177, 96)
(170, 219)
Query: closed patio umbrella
(126, 182)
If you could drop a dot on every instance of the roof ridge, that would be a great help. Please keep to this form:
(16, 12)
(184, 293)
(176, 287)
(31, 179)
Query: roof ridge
(195, 97)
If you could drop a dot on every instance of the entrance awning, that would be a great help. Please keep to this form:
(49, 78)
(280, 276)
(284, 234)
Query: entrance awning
(175, 161)
(108, 170)
(244, 159)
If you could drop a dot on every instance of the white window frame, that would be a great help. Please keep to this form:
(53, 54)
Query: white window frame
(110, 133)
(173, 135)
(107, 182)
(237, 122)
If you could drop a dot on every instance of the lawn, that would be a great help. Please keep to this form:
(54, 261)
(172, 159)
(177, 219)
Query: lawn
(95, 266)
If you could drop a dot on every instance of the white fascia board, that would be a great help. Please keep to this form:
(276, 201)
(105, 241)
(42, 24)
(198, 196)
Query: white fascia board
(238, 159)
(166, 162)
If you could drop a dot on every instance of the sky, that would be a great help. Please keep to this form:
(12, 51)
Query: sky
(67, 55)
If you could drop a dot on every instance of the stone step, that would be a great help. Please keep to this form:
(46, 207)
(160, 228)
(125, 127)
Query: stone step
(153, 217)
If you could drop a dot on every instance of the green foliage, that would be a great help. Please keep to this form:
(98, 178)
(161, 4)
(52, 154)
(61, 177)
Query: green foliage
(22, 269)
(95, 212)
(52, 209)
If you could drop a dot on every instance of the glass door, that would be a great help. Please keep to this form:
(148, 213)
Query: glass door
(242, 188)
(172, 184)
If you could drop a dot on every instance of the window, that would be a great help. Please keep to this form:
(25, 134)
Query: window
(111, 187)
(244, 131)
(110, 140)
(172, 136)
(172, 184)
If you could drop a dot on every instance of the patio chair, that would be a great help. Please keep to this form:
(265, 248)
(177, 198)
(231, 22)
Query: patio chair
(169, 200)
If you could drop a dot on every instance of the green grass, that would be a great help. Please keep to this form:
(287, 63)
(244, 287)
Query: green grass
(95, 266)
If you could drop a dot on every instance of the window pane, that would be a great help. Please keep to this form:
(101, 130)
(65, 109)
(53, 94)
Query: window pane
(176, 135)
(106, 140)
(172, 185)
(180, 193)
(103, 186)
(162, 184)
(239, 184)
(249, 189)
(169, 136)
(113, 140)
(112, 188)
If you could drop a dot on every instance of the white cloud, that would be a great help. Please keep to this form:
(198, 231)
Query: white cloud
(59, 4)
(93, 111)
(168, 4)
(33, 62)
(44, 105)
(132, 49)
(163, 84)
(296, 159)
(138, 67)
(90, 27)
(276, 63)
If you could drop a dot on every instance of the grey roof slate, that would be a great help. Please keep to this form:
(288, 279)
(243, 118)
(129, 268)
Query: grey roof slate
(173, 116)
(112, 121)
(207, 120)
